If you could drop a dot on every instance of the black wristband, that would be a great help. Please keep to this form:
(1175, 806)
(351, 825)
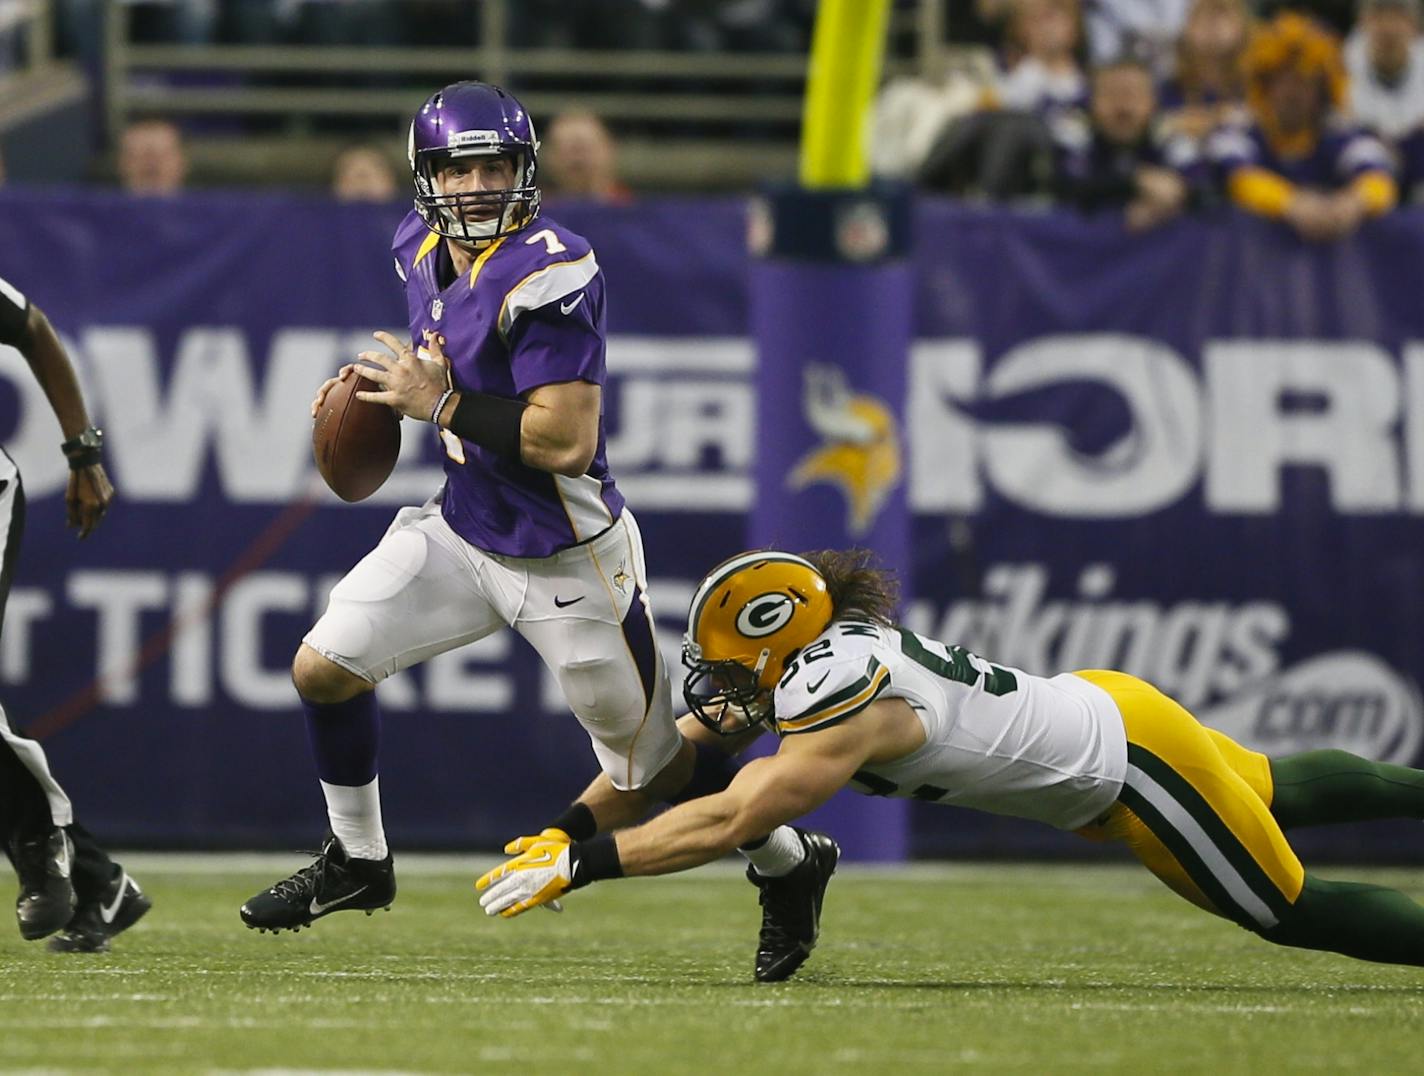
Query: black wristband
(594, 860)
(489, 421)
(84, 457)
(577, 821)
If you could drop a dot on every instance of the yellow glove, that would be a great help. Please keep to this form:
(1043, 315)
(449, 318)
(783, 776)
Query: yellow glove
(523, 844)
(536, 877)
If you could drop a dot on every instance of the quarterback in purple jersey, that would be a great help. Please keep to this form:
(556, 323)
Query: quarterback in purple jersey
(506, 360)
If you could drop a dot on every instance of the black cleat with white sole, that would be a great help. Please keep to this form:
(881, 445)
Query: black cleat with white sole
(121, 904)
(46, 901)
(334, 882)
(791, 908)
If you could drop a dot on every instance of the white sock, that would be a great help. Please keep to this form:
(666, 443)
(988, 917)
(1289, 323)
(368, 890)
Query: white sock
(780, 854)
(355, 813)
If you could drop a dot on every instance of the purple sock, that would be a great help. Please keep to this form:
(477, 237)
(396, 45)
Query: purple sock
(345, 738)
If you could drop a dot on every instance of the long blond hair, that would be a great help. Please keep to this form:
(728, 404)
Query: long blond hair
(856, 584)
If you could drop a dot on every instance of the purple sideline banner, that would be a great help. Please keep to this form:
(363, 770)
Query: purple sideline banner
(831, 310)
(1196, 455)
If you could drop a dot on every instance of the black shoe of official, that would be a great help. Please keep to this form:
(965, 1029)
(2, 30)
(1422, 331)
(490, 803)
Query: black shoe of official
(121, 904)
(46, 900)
(791, 908)
(333, 883)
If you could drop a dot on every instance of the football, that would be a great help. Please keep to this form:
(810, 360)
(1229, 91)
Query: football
(355, 443)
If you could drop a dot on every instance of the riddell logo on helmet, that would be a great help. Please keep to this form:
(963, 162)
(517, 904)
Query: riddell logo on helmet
(765, 614)
(458, 139)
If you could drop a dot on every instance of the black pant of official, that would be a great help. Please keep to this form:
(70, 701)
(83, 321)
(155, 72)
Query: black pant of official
(31, 802)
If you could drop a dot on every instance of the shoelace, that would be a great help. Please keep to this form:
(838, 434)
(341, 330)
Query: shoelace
(304, 883)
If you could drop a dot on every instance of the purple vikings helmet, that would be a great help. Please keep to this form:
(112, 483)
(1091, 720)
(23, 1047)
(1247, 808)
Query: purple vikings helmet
(474, 119)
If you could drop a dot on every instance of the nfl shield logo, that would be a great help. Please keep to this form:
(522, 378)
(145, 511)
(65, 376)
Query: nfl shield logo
(437, 309)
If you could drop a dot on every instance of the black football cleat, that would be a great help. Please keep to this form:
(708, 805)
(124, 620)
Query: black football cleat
(46, 901)
(118, 907)
(791, 908)
(333, 883)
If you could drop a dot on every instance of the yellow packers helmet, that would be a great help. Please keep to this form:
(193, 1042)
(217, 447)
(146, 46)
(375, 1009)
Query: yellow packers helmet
(749, 615)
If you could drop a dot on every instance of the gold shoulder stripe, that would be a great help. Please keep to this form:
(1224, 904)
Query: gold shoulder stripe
(850, 707)
(484, 257)
(836, 698)
(430, 242)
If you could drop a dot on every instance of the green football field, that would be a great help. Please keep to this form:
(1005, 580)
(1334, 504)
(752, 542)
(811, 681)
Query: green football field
(989, 968)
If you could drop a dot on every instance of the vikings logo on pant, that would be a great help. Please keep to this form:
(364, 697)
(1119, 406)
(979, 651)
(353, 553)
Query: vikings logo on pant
(861, 453)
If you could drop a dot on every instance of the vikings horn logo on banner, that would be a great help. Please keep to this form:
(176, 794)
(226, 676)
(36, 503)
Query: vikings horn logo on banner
(861, 450)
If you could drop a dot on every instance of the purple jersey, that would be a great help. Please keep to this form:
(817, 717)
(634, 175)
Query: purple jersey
(1341, 154)
(529, 312)
(1092, 173)
(1411, 166)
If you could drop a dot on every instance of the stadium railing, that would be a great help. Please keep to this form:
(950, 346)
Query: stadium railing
(684, 120)
(37, 83)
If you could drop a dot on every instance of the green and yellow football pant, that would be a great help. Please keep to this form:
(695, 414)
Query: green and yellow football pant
(1196, 810)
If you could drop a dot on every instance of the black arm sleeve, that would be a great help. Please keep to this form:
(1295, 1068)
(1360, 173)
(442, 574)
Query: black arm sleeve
(14, 314)
(491, 422)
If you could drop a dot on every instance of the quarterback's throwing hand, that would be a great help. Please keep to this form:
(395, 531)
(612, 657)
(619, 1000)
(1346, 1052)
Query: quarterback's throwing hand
(539, 875)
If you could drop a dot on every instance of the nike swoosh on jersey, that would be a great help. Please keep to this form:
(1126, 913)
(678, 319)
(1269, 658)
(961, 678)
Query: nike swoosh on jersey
(318, 909)
(572, 601)
(811, 688)
(108, 911)
(568, 308)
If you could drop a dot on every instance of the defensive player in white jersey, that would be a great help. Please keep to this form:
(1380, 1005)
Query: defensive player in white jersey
(807, 646)
(505, 360)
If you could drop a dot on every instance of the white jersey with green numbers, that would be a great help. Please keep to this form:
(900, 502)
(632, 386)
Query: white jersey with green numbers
(996, 739)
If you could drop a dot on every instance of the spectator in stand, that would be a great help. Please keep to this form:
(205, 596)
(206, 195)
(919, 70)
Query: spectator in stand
(1044, 39)
(1117, 157)
(152, 159)
(1336, 16)
(363, 173)
(912, 112)
(1385, 60)
(579, 159)
(1004, 150)
(1147, 30)
(1205, 90)
(1411, 166)
(1295, 162)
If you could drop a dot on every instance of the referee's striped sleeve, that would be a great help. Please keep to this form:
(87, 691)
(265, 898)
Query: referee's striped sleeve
(14, 313)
